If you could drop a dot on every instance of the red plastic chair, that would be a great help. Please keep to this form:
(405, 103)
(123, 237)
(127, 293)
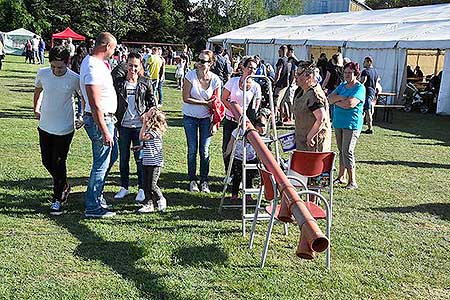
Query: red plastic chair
(318, 169)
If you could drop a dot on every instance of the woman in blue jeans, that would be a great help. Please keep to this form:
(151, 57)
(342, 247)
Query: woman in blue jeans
(134, 98)
(199, 87)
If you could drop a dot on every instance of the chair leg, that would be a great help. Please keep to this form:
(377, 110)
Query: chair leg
(286, 225)
(328, 234)
(255, 218)
(269, 232)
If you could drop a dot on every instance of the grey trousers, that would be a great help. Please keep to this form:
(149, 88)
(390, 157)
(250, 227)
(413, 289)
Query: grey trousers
(346, 143)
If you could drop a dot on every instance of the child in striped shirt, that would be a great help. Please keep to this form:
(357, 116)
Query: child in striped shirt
(154, 126)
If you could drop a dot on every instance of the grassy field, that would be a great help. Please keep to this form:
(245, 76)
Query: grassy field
(390, 238)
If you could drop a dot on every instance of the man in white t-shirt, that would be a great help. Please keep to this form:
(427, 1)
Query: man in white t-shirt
(55, 111)
(35, 48)
(97, 88)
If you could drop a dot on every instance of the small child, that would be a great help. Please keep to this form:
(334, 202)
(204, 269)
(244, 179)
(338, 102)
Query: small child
(152, 160)
(236, 171)
(179, 72)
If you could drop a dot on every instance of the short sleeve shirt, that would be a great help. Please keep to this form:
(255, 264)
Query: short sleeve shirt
(197, 92)
(304, 107)
(57, 108)
(350, 118)
(237, 95)
(371, 75)
(282, 81)
(239, 152)
(152, 153)
(94, 71)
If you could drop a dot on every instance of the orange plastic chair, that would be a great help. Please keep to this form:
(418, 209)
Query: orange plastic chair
(318, 169)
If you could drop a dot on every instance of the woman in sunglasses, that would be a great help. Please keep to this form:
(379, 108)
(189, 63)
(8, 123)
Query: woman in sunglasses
(200, 89)
(233, 92)
(312, 118)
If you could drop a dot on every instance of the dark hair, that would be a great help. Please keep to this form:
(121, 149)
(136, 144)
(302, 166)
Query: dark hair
(354, 67)
(369, 59)
(218, 49)
(283, 48)
(134, 55)
(290, 48)
(59, 53)
(249, 60)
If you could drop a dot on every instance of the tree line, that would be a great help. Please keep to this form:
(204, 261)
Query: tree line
(173, 21)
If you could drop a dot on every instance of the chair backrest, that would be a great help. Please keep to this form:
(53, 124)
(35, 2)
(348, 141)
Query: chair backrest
(312, 164)
(268, 182)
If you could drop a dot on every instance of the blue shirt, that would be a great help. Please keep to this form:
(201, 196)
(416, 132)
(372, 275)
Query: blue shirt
(349, 118)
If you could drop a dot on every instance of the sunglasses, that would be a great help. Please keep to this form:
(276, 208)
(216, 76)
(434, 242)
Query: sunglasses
(202, 61)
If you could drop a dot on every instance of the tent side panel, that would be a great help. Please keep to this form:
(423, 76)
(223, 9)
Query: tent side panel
(443, 104)
(384, 60)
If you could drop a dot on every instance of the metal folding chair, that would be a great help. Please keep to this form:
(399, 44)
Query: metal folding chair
(268, 189)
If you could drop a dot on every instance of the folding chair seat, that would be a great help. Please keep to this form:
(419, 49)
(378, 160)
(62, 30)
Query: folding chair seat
(315, 169)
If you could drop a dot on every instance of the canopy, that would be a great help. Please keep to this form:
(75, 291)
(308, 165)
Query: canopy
(14, 41)
(385, 34)
(67, 33)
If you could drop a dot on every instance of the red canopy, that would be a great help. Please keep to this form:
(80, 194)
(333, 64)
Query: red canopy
(67, 33)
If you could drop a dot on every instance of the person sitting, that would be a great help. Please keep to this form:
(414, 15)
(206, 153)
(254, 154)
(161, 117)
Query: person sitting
(418, 73)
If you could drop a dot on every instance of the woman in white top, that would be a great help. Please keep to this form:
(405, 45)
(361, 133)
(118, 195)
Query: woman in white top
(200, 89)
(233, 92)
(56, 115)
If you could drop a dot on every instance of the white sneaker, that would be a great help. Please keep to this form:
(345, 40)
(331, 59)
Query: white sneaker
(122, 193)
(193, 187)
(140, 196)
(105, 205)
(147, 208)
(162, 205)
(204, 187)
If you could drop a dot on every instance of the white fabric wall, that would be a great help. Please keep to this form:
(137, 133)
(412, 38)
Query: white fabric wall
(267, 52)
(443, 104)
(386, 61)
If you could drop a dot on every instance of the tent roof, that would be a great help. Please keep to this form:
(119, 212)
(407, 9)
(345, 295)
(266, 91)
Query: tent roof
(419, 27)
(21, 31)
(68, 33)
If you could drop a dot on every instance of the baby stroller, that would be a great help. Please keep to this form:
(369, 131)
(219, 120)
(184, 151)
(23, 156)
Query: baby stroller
(413, 99)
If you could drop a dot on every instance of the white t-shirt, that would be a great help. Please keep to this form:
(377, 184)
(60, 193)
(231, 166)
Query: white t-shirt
(94, 71)
(131, 118)
(57, 108)
(35, 44)
(197, 92)
(239, 152)
(237, 95)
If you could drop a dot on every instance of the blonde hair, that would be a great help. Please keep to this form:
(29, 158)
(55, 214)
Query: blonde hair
(157, 121)
(212, 57)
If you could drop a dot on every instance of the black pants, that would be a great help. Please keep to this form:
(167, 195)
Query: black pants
(236, 172)
(54, 149)
(152, 191)
(228, 127)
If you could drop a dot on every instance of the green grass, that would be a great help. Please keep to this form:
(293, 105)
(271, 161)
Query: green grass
(390, 238)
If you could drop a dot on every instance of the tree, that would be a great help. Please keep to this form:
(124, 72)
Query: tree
(14, 14)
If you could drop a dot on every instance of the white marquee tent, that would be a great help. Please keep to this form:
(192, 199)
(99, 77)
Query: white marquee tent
(15, 40)
(386, 35)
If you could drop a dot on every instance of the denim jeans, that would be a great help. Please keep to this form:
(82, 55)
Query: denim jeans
(103, 157)
(197, 133)
(41, 57)
(160, 91)
(126, 137)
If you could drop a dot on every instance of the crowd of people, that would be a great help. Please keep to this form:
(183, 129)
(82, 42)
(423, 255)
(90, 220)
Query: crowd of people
(120, 108)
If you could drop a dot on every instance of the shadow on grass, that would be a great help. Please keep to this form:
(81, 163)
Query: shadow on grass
(412, 164)
(200, 256)
(441, 210)
(120, 256)
(7, 113)
(22, 90)
(426, 126)
(17, 77)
